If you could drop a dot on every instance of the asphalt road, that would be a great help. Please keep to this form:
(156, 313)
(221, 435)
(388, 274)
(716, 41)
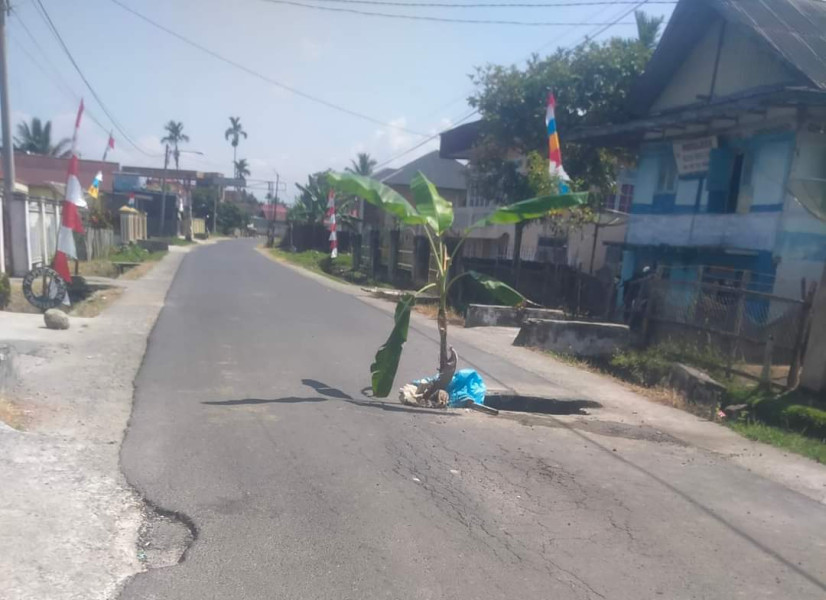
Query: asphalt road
(249, 419)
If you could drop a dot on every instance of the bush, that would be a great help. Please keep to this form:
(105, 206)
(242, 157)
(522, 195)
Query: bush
(645, 367)
(793, 410)
(5, 290)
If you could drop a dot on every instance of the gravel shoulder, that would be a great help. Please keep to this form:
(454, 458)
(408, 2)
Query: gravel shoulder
(69, 522)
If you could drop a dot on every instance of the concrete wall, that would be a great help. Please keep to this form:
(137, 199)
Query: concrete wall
(483, 315)
(578, 338)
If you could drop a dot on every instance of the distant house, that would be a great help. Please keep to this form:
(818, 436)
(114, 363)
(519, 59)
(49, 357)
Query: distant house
(731, 138)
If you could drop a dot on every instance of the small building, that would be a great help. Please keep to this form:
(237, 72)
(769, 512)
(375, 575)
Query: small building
(34, 212)
(731, 139)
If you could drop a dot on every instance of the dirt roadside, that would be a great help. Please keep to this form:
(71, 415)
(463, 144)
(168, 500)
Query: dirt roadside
(69, 523)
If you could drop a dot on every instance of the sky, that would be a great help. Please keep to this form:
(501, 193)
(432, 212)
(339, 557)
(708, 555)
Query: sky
(411, 76)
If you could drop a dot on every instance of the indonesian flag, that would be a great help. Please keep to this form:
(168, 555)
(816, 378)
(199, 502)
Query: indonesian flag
(331, 219)
(554, 153)
(70, 222)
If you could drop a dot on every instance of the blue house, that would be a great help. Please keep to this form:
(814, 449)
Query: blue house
(731, 140)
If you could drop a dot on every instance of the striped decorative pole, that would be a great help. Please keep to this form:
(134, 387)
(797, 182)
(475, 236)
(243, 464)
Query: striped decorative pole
(554, 152)
(331, 217)
(70, 222)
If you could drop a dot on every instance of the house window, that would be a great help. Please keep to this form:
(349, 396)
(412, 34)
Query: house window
(667, 178)
(626, 195)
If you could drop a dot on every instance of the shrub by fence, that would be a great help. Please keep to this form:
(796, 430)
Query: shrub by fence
(303, 236)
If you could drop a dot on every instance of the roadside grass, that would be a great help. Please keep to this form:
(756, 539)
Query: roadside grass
(96, 303)
(780, 438)
(176, 241)
(793, 421)
(339, 269)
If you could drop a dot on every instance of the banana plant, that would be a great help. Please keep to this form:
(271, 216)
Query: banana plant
(435, 215)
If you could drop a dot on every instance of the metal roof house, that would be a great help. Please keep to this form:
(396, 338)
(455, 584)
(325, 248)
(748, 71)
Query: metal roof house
(731, 135)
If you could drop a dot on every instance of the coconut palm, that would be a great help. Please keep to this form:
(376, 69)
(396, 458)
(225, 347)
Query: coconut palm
(36, 138)
(233, 134)
(174, 136)
(648, 29)
(242, 169)
(363, 165)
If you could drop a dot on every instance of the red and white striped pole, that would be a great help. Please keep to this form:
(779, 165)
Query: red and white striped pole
(331, 217)
(70, 221)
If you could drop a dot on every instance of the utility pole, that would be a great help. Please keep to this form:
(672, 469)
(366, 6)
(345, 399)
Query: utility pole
(163, 188)
(8, 148)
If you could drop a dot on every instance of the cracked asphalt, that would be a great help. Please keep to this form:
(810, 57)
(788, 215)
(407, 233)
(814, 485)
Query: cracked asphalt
(249, 420)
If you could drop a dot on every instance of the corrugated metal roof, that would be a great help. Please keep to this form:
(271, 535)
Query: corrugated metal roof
(795, 30)
(443, 172)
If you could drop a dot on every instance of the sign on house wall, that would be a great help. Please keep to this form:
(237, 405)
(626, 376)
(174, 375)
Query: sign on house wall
(692, 156)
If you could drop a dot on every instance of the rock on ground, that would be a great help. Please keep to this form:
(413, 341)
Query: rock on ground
(56, 319)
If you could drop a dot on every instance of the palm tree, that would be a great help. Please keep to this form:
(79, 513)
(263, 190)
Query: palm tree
(233, 134)
(175, 135)
(242, 169)
(363, 165)
(37, 139)
(648, 29)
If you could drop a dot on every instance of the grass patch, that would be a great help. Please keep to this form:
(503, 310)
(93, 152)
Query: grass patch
(96, 303)
(339, 268)
(134, 253)
(176, 241)
(785, 440)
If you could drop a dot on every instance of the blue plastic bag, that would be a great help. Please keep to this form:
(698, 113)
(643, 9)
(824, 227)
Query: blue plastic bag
(466, 385)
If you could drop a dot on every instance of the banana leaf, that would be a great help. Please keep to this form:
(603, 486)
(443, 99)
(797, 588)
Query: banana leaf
(499, 290)
(533, 208)
(431, 205)
(378, 194)
(384, 367)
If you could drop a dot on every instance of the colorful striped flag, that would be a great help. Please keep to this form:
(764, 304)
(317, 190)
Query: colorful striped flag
(70, 222)
(331, 218)
(554, 153)
(94, 189)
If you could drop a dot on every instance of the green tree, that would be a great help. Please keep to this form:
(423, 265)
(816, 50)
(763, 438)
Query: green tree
(230, 216)
(311, 204)
(233, 134)
(174, 136)
(36, 138)
(242, 169)
(591, 83)
(362, 165)
(648, 29)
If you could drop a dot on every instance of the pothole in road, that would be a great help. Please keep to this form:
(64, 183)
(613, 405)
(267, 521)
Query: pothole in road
(537, 404)
(164, 537)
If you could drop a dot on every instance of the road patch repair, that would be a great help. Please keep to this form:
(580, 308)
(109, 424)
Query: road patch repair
(71, 525)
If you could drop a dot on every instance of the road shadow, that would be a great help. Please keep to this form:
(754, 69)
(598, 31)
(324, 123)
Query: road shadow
(539, 405)
(325, 390)
(285, 400)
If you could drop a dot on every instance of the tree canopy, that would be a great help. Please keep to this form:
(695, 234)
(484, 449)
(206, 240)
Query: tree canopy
(36, 138)
(591, 83)
(362, 165)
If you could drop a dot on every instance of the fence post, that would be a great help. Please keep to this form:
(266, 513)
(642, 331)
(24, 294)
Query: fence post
(800, 340)
(393, 255)
(355, 240)
(546, 272)
(375, 253)
(738, 321)
(765, 374)
(421, 260)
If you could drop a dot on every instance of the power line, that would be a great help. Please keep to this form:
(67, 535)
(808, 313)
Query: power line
(45, 14)
(261, 76)
(435, 19)
(585, 39)
(494, 4)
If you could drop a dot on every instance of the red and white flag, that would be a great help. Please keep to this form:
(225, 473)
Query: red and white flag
(70, 221)
(331, 219)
